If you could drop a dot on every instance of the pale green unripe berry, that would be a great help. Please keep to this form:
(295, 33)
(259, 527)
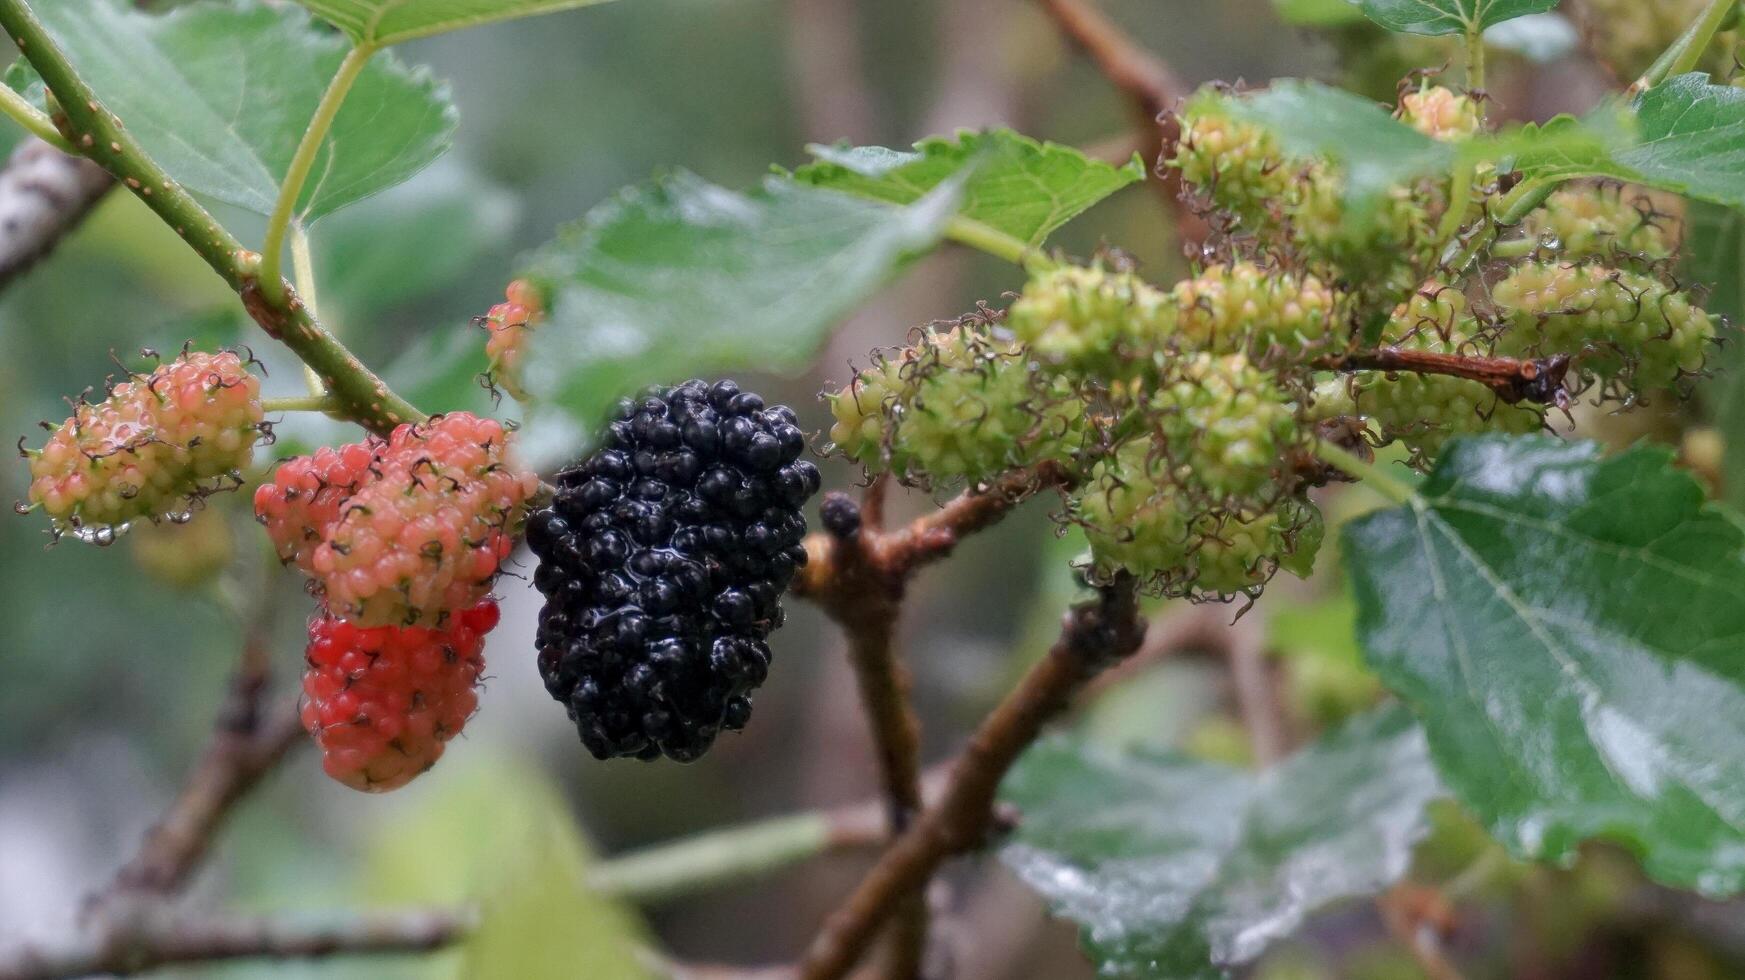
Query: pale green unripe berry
(1225, 423)
(1091, 320)
(1607, 221)
(1614, 321)
(1139, 520)
(958, 405)
(1242, 307)
(1239, 165)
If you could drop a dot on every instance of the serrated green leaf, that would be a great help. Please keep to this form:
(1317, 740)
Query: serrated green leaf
(1015, 184)
(384, 22)
(1179, 869)
(1689, 138)
(678, 276)
(1570, 628)
(220, 94)
(1438, 17)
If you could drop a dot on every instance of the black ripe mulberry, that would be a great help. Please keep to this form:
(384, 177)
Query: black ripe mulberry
(663, 560)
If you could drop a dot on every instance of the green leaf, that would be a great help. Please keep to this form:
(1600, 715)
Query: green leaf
(679, 276)
(1689, 138)
(1714, 256)
(499, 834)
(1311, 119)
(1180, 869)
(1015, 184)
(1317, 13)
(220, 93)
(1569, 629)
(1438, 17)
(384, 22)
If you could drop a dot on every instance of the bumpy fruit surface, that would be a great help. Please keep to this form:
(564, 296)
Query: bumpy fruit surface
(1607, 221)
(383, 701)
(1139, 520)
(301, 504)
(959, 404)
(1616, 322)
(1423, 411)
(663, 560)
(156, 441)
(510, 324)
(1440, 113)
(1091, 320)
(1240, 307)
(1225, 422)
(402, 531)
(1238, 165)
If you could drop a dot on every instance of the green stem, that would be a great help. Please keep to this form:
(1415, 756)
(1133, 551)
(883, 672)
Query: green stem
(303, 271)
(1475, 63)
(1377, 479)
(968, 231)
(715, 858)
(1685, 52)
(1510, 211)
(363, 397)
(303, 403)
(302, 162)
(32, 119)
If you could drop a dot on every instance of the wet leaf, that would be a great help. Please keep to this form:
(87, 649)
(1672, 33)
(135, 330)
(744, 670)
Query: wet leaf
(1180, 869)
(1569, 628)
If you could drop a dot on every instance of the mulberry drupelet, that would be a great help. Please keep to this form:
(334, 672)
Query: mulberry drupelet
(663, 559)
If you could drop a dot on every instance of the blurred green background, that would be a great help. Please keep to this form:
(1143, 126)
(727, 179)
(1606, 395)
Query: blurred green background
(109, 678)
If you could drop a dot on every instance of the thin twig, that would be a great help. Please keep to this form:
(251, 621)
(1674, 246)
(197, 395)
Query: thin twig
(1151, 87)
(1513, 379)
(151, 941)
(733, 854)
(1093, 636)
(1420, 919)
(1256, 689)
(44, 194)
(98, 133)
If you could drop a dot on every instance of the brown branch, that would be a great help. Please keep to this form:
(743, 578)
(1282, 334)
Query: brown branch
(1093, 636)
(147, 942)
(1151, 87)
(244, 747)
(1514, 380)
(1256, 688)
(44, 194)
(858, 573)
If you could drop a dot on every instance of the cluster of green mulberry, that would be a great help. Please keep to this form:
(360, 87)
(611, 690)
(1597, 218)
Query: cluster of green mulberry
(1186, 421)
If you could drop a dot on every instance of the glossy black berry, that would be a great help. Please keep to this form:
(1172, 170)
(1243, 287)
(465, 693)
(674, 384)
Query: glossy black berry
(662, 560)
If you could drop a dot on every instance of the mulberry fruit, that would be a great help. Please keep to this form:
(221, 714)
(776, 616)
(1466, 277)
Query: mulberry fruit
(1617, 323)
(1440, 113)
(959, 404)
(383, 701)
(663, 560)
(1230, 308)
(401, 531)
(1139, 520)
(510, 323)
(1091, 320)
(1607, 221)
(154, 443)
(1226, 424)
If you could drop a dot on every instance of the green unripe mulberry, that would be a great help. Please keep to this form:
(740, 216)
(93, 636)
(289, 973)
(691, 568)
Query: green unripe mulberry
(1615, 322)
(1225, 423)
(1607, 221)
(1091, 320)
(1138, 520)
(959, 404)
(1238, 165)
(1423, 411)
(1242, 307)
